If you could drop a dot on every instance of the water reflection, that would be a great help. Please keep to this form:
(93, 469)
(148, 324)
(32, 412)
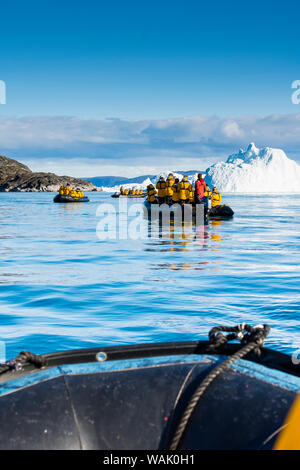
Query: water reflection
(216, 235)
(72, 207)
(188, 240)
(62, 288)
(198, 266)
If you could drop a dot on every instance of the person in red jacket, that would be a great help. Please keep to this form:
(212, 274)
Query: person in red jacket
(200, 189)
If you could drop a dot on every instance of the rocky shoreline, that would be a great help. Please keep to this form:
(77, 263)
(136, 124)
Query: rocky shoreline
(16, 177)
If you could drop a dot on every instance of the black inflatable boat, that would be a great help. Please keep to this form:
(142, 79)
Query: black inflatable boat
(66, 198)
(211, 394)
(133, 196)
(217, 212)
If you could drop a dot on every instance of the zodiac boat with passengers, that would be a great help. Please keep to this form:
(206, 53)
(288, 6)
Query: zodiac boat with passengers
(130, 193)
(178, 198)
(66, 194)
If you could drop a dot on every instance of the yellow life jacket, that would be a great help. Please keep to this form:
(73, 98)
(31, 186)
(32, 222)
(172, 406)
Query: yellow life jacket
(126, 192)
(151, 198)
(151, 191)
(169, 185)
(61, 190)
(176, 193)
(67, 190)
(184, 187)
(161, 188)
(215, 198)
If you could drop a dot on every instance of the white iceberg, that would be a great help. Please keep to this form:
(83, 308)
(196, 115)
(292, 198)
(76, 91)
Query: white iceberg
(144, 184)
(116, 189)
(265, 170)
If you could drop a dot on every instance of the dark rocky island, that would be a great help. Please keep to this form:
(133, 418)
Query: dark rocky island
(15, 177)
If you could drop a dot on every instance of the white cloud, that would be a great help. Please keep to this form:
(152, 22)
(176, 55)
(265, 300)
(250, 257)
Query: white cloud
(232, 129)
(189, 142)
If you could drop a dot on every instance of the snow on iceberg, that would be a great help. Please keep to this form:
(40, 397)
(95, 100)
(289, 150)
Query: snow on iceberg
(115, 189)
(146, 182)
(255, 170)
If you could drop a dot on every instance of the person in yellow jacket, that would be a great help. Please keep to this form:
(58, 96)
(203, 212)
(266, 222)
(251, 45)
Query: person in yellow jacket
(67, 189)
(161, 190)
(121, 190)
(206, 198)
(185, 188)
(140, 192)
(169, 187)
(126, 192)
(151, 192)
(61, 190)
(208, 192)
(73, 193)
(215, 197)
(176, 192)
(192, 197)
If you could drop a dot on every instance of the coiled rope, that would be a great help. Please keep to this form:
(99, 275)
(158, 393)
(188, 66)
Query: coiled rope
(252, 340)
(24, 358)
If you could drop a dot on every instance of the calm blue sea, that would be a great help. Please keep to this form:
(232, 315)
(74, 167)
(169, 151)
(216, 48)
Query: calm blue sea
(62, 288)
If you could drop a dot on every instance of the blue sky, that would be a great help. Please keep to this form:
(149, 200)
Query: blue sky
(144, 61)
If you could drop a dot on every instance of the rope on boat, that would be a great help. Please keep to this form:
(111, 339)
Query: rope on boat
(252, 340)
(24, 358)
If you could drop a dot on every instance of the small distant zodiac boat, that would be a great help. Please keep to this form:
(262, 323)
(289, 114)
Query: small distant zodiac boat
(64, 198)
(133, 196)
(226, 393)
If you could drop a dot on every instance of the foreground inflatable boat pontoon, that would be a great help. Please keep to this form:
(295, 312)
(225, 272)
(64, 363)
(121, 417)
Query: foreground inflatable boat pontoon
(185, 395)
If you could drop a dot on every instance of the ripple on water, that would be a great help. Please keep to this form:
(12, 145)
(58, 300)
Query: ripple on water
(61, 287)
